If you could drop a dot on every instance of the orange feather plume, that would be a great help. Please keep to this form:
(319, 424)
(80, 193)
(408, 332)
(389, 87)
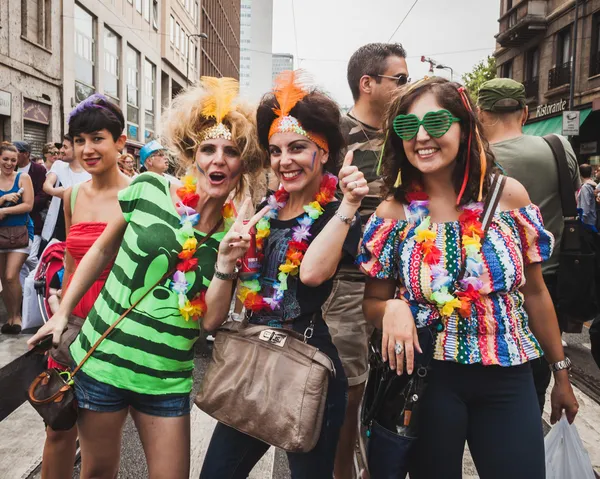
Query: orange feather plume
(482, 163)
(288, 90)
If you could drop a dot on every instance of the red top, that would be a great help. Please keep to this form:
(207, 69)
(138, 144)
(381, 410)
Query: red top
(80, 239)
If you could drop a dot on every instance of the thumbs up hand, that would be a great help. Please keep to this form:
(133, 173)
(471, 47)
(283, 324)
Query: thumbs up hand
(352, 181)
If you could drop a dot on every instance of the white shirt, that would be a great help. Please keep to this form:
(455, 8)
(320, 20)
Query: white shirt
(25, 169)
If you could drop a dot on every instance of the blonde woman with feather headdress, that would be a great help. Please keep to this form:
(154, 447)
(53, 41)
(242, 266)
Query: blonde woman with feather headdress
(165, 243)
(304, 235)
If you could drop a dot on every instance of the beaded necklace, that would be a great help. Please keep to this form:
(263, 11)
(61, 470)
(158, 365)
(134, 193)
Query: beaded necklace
(250, 291)
(196, 307)
(472, 235)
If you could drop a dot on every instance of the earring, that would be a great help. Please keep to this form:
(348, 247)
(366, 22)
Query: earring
(398, 179)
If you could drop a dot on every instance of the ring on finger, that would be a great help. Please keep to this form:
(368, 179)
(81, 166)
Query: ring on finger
(398, 348)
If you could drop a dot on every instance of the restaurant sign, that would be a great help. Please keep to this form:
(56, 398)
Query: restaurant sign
(548, 109)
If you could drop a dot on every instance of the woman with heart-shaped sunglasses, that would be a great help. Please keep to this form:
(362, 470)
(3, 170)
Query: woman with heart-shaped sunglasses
(433, 263)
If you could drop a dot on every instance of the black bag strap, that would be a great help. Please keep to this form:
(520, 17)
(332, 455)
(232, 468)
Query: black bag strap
(565, 186)
(491, 202)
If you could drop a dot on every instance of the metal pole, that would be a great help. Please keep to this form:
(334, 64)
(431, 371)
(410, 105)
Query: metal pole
(574, 58)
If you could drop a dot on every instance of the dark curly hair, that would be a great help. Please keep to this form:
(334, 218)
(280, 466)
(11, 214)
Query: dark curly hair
(394, 158)
(316, 112)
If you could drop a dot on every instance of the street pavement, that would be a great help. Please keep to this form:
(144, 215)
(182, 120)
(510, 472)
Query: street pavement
(22, 431)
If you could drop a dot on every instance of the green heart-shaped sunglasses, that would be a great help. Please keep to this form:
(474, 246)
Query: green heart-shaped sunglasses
(436, 123)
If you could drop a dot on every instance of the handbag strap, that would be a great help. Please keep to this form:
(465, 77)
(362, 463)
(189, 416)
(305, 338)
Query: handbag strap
(122, 317)
(491, 202)
(565, 186)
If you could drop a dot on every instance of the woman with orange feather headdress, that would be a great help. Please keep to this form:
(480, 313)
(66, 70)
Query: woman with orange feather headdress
(303, 236)
(165, 244)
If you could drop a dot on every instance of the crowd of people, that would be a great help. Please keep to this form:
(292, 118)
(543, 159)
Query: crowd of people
(418, 210)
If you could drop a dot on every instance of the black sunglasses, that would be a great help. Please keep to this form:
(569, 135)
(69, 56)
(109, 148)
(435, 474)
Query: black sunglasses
(401, 79)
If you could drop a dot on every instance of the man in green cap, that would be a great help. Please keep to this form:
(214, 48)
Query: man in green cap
(503, 112)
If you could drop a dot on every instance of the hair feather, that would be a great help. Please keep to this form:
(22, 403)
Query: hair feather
(289, 89)
(220, 95)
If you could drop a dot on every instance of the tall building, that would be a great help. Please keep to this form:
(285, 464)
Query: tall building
(114, 47)
(220, 53)
(256, 34)
(30, 72)
(282, 62)
(535, 46)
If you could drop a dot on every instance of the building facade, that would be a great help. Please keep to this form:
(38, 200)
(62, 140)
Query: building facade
(256, 37)
(30, 72)
(282, 62)
(114, 47)
(535, 46)
(220, 53)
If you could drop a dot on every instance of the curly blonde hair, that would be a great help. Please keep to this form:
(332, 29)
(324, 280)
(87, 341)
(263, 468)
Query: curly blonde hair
(183, 124)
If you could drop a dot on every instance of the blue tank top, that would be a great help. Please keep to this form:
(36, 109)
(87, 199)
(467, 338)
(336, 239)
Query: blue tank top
(14, 220)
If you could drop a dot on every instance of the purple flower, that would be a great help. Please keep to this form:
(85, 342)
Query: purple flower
(180, 284)
(301, 232)
(473, 281)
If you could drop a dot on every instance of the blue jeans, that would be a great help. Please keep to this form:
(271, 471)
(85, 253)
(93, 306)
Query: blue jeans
(232, 454)
(97, 396)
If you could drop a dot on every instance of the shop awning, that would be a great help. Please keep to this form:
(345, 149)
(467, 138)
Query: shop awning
(551, 125)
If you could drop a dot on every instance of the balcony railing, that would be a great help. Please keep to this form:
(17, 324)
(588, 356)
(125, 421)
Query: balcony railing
(522, 23)
(561, 75)
(532, 87)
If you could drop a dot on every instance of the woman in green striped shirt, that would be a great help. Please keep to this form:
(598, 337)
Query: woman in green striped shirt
(145, 365)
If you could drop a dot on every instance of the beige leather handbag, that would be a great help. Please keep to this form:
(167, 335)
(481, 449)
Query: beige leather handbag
(267, 383)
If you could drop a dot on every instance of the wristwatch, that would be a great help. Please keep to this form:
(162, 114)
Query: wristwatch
(560, 365)
(227, 276)
(346, 219)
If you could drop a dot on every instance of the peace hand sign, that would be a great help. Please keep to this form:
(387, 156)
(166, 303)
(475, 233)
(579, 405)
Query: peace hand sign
(237, 240)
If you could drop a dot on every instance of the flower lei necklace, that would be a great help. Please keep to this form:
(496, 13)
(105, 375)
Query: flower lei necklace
(249, 292)
(472, 236)
(186, 208)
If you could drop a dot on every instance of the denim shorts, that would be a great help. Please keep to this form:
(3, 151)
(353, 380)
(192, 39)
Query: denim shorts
(101, 397)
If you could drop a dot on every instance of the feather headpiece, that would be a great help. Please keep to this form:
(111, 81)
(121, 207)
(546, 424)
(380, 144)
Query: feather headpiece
(289, 89)
(221, 92)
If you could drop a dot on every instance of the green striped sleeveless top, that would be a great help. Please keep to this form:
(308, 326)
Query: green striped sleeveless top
(151, 350)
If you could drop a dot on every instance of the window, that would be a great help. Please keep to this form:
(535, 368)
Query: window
(36, 21)
(138, 5)
(111, 64)
(182, 41)
(509, 5)
(149, 98)
(563, 47)
(177, 35)
(533, 64)
(195, 13)
(147, 10)
(595, 48)
(187, 5)
(85, 33)
(155, 14)
(133, 89)
(507, 69)
(172, 29)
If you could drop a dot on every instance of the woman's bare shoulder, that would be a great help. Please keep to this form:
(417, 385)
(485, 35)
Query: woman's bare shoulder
(391, 209)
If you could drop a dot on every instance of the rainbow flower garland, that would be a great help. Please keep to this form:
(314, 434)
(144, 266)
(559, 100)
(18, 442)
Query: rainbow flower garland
(186, 208)
(472, 236)
(249, 292)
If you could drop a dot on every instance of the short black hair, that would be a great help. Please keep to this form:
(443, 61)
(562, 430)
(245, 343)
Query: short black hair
(370, 59)
(68, 137)
(316, 112)
(585, 170)
(94, 114)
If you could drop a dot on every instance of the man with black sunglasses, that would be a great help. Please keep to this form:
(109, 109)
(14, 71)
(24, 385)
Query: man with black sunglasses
(375, 71)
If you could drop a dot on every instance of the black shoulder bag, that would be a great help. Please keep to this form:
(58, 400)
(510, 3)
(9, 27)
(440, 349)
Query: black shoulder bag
(576, 296)
(391, 403)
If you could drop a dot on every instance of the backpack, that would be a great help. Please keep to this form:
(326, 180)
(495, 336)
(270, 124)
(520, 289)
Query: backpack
(576, 289)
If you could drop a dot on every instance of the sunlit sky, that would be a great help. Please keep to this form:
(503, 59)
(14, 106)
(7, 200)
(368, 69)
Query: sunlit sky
(457, 34)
